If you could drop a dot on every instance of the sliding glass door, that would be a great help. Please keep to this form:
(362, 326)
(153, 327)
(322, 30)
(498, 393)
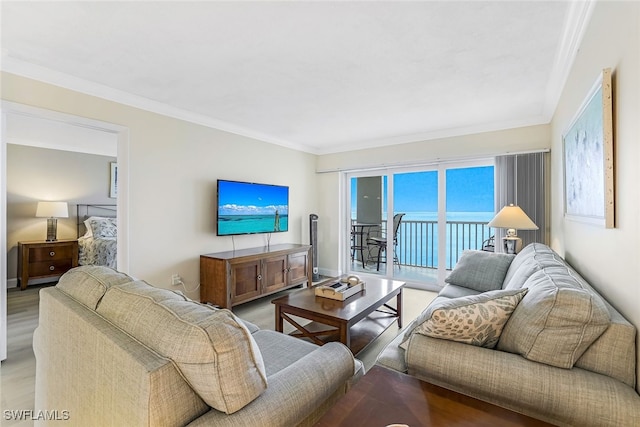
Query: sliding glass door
(367, 222)
(469, 207)
(413, 225)
(415, 241)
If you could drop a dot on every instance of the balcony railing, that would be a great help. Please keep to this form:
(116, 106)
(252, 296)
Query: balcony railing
(418, 241)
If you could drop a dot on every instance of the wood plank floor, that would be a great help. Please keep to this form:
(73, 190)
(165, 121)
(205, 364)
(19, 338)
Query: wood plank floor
(18, 371)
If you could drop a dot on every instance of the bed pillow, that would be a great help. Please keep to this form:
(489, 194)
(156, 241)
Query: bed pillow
(475, 319)
(480, 270)
(101, 227)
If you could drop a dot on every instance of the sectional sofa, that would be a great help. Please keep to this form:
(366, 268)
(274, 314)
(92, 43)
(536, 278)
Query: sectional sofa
(526, 333)
(113, 351)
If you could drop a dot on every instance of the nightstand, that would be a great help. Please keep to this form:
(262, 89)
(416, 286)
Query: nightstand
(41, 259)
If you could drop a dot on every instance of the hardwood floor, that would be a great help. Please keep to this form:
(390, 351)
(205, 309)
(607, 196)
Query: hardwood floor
(18, 371)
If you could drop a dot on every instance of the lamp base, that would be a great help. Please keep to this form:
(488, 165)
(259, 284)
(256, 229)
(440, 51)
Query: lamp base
(52, 229)
(512, 245)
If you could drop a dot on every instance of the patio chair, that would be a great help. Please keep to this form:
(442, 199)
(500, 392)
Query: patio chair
(381, 242)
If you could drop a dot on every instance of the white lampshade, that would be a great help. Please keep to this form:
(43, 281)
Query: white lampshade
(52, 210)
(514, 218)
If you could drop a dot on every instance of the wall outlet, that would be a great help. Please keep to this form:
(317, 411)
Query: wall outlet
(176, 280)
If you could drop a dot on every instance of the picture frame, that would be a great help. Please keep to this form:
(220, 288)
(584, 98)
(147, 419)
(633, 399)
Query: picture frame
(113, 187)
(588, 158)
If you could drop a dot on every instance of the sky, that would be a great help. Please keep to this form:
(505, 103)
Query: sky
(468, 190)
(243, 198)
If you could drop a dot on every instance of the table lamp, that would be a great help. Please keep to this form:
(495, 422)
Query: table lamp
(512, 218)
(52, 211)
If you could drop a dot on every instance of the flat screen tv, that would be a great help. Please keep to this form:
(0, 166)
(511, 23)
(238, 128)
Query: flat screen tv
(250, 208)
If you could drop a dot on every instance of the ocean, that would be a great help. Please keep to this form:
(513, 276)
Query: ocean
(418, 236)
(244, 224)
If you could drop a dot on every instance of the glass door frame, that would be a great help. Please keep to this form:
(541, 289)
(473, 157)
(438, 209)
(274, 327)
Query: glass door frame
(441, 169)
(348, 176)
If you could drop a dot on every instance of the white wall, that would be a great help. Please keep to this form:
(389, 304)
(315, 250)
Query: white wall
(173, 167)
(331, 168)
(608, 258)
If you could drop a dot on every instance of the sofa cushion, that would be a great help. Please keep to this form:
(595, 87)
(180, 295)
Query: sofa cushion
(87, 284)
(532, 258)
(474, 319)
(455, 291)
(213, 349)
(556, 321)
(480, 270)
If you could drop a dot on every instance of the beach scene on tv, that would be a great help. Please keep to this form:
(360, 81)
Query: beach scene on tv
(247, 208)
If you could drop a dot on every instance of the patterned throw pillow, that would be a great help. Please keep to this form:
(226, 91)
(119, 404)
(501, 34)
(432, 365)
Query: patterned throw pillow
(475, 319)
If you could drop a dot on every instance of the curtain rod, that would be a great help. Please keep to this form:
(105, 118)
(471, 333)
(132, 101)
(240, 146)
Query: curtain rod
(436, 161)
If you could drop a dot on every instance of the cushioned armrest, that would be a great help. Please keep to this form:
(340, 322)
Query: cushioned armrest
(294, 392)
(250, 326)
(560, 396)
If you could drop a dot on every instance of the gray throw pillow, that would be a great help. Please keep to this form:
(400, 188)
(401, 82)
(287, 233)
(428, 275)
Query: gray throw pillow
(480, 270)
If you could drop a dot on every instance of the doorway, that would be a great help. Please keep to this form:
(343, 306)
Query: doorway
(11, 111)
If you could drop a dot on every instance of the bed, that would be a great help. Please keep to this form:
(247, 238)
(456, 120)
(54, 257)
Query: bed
(97, 235)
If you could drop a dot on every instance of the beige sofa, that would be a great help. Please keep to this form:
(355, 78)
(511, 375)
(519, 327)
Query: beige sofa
(113, 351)
(529, 334)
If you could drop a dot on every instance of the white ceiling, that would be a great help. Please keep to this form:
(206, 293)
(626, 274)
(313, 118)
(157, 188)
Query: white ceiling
(316, 76)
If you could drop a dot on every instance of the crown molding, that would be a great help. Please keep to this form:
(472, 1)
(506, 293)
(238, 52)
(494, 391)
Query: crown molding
(56, 78)
(437, 134)
(576, 22)
(577, 19)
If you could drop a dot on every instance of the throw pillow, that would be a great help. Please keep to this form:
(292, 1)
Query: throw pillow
(480, 270)
(475, 319)
(557, 321)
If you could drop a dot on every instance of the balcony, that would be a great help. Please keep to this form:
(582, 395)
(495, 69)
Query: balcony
(417, 248)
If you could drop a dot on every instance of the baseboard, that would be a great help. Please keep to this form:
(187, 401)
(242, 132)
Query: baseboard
(13, 283)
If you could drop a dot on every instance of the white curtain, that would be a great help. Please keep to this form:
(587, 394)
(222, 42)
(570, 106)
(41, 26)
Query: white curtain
(522, 179)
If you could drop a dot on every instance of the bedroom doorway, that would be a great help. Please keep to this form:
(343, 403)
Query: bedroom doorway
(13, 113)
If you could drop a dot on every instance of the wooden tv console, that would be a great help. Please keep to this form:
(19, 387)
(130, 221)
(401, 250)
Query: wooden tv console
(235, 277)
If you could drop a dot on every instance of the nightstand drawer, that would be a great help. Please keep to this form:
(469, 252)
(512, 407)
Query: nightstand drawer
(51, 253)
(47, 268)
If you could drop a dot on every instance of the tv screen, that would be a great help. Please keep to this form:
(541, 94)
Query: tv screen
(249, 208)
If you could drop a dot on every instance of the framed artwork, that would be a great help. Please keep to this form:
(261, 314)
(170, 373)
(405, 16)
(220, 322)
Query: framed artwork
(588, 158)
(113, 188)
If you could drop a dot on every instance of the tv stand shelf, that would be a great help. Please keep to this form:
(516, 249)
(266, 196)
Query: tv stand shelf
(235, 277)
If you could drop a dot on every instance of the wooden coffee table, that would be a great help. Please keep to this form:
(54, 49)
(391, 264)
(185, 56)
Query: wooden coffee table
(355, 322)
(383, 397)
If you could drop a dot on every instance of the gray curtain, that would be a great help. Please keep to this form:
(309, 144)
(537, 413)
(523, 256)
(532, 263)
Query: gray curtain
(522, 179)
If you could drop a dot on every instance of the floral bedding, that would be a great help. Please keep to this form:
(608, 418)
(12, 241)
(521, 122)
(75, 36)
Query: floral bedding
(98, 245)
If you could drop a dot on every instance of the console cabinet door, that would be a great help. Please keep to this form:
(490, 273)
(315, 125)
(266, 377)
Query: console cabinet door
(246, 281)
(275, 273)
(298, 268)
